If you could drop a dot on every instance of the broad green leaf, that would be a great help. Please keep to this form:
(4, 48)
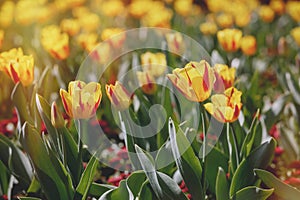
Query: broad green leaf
(252, 192)
(4, 178)
(86, 178)
(146, 192)
(258, 158)
(51, 183)
(162, 185)
(222, 185)
(34, 186)
(282, 190)
(134, 182)
(164, 161)
(96, 189)
(119, 193)
(186, 161)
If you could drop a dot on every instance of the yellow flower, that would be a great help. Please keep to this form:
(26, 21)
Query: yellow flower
(208, 28)
(225, 107)
(115, 36)
(89, 22)
(230, 39)
(194, 81)
(278, 6)
(87, 41)
(112, 8)
(7, 13)
(224, 77)
(70, 26)
(147, 82)
(82, 100)
(175, 43)
(248, 45)
(101, 53)
(138, 8)
(266, 13)
(55, 42)
(293, 9)
(295, 32)
(225, 20)
(17, 65)
(154, 63)
(242, 19)
(183, 7)
(118, 96)
(1, 37)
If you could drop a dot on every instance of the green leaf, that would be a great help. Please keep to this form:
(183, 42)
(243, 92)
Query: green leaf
(186, 161)
(119, 193)
(162, 185)
(164, 161)
(96, 189)
(34, 186)
(222, 185)
(4, 178)
(146, 192)
(258, 158)
(50, 179)
(86, 178)
(29, 198)
(281, 189)
(134, 182)
(252, 192)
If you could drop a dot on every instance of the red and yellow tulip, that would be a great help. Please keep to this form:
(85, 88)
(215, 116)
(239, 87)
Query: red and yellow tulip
(195, 81)
(224, 77)
(147, 82)
(225, 107)
(154, 63)
(229, 39)
(118, 96)
(81, 100)
(248, 45)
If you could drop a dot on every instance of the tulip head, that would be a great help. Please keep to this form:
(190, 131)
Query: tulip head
(115, 36)
(224, 77)
(70, 26)
(208, 28)
(194, 81)
(295, 32)
(225, 107)
(229, 39)
(118, 96)
(266, 13)
(248, 45)
(154, 63)
(81, 100)
(147, 82)
(175, 43)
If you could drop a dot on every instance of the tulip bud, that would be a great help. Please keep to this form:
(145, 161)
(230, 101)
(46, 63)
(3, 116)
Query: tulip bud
(57, 119)
(229, 39)
(225, 20)
(118, 96)
(154, 63)
(208, 28)
(175, 43)
(248, 45)
(147, 82)
(266, 13)
(295, 33)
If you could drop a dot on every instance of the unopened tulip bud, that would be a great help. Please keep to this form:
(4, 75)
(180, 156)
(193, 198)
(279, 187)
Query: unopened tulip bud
(57, 119)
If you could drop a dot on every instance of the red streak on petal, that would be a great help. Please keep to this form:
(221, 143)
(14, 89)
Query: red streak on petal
(205, 78)
(14, 74)
(190, 82)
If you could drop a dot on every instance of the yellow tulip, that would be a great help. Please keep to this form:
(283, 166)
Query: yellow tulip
(1, 38)
(229, 39)
(87, 41)
(225, 20)
(295, 32)
(225, 107)
(89, 22)
(138, 8)
(183, 7)
(112, 8)
(7, 13)
(293, 9)
(194, 81)
(70, 26)
(147, 82)
(278, 6)
(224, 77)
(154, 63)
(118, 96)
(242, 19)
(248, 45)
(18, 66)
(208, 28)
(81, 100)
(266, 13)
(55, 42)
(114, 36)
(175, 43)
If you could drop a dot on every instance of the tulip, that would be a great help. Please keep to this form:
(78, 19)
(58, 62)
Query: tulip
(278, 6)
(224, 77)
(230, 39)
(57, 119)
(87, 41)
(112, 8)
(114, 36)
(7, 13)
(154, 63)
(225, 20)
(266, 13)
(295, 32)
(55, 42)
(70, 26)
(242, 19)
(293, 9)
(225, 107)
(147, 82)
(118, 96)
(89, 22)
(175, 43)
(194, 81)
(138, 9)
(183, 7)
(18, 66)
(248, 45)
(208, 28)
(1, 38)
(81, 100)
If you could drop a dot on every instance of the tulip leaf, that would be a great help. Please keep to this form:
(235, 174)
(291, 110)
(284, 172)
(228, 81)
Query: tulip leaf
(252, 192)
(50, 179)
(186, 161)
(281, 189)
(146, 192)
(222, 185)
(258, 158)
(4, 178)
(293, 86)
(164, 159)
(134, 183)
(34, 186)
(86, 179)
(119, 193)
(97, 190)
(162, 185)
